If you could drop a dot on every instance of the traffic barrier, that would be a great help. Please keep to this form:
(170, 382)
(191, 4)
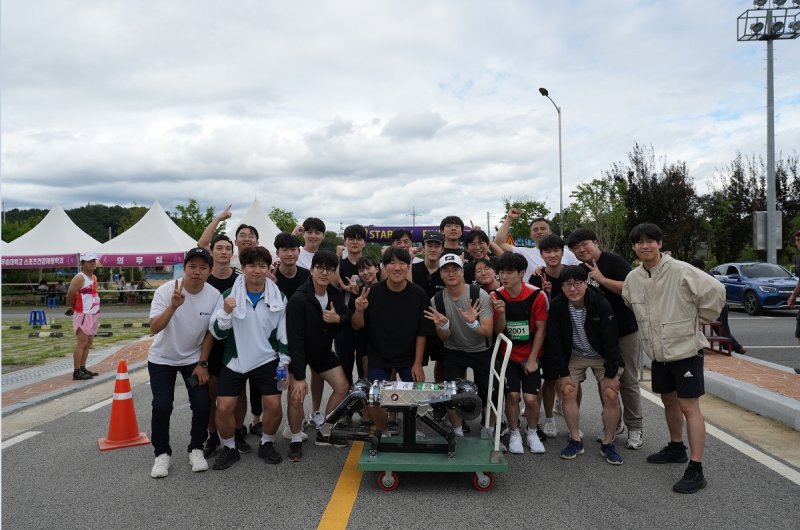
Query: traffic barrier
(45, 334)
(104, 334)
(123, 429)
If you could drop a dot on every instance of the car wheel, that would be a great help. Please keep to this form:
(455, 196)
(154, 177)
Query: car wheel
(751, 303)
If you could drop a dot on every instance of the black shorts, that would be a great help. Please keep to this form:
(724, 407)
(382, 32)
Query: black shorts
(516, 378)
(549, 371)
(215, 357)
(684, 377)
(456, 364)
(232, 383)
(323, 363)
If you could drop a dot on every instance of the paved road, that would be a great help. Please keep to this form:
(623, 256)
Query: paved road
(60, 475)
(769, 337)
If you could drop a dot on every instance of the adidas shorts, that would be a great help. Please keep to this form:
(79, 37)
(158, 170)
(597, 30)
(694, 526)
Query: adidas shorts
(684, 377)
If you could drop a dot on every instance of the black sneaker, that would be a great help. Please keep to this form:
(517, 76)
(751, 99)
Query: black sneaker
(257, 429)
(540, 433)
(329, 441)
(268, 454)
(669, 455)
(241, 445)
(212, 443)
(226, 458)
(465, 427)
(84, 370)
(692, 481)
(295, 451)
(80, 375)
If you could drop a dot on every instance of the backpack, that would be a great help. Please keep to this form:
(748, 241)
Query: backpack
(474, 294)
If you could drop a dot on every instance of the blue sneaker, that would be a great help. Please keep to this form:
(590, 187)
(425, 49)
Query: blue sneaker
(573, 449)
(611, 455)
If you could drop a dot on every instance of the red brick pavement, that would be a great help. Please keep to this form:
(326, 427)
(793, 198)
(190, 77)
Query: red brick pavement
(131, 353)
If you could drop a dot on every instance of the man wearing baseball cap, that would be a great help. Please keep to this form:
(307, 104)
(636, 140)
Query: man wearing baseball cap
(179, 316)
(84, 301)
(464, 320)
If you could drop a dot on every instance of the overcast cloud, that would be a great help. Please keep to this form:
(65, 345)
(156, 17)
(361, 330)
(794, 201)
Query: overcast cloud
(360, 111)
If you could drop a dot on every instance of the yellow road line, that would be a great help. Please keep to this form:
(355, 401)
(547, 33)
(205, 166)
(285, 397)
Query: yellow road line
(337, 513)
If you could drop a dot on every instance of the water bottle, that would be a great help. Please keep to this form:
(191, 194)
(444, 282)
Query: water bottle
(281, 374)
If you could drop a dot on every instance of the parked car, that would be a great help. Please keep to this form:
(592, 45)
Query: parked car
(755, 285)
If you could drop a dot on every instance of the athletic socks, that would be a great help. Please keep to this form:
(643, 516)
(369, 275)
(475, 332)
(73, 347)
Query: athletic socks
(230, 443)
(266, 438)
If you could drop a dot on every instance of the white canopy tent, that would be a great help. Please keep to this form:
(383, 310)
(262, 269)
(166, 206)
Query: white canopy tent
(53, 243)
(155, 240)
(256, 216)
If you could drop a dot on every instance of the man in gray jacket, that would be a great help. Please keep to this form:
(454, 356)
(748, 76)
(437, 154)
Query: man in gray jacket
(670, 298)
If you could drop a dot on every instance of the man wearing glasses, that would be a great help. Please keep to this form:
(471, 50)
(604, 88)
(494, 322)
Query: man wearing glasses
(582, 335)
(607, 271)
(314, 315)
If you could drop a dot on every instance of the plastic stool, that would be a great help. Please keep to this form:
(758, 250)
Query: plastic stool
(52, 301)
(37, 317)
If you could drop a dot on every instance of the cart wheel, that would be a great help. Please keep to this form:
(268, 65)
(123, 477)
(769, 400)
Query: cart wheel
(483, 481)
(388, 482)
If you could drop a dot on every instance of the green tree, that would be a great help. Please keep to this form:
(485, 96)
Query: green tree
(131, 216)
(191, 220)
(521, 228)
(600, 206)
(284, 219)
(13, 229)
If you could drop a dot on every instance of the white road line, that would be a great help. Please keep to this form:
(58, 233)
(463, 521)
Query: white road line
(744, 448)
(98, 406)
(20, 438)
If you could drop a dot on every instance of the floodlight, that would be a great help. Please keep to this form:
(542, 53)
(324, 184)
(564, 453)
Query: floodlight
(779, 3)
(757, 27)
(759, 3)
(777, 27)
(795, 26)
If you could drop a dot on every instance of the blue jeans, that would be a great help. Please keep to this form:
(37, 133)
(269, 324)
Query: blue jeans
(162, 384)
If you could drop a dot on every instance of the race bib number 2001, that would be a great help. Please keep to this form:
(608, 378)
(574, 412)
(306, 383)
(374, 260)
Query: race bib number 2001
(519, 330)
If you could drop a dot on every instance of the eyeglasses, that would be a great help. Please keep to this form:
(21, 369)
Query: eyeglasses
(573, 285)
(323, 269)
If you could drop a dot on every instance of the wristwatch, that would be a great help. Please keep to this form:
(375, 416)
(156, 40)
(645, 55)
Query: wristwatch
(203, 364)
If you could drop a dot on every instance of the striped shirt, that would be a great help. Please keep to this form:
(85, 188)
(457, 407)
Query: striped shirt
(580, 343)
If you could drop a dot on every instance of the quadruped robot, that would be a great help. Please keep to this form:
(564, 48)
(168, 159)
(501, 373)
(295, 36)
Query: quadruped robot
(428, 403)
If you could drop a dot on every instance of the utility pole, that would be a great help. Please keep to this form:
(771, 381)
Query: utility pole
(413, 216)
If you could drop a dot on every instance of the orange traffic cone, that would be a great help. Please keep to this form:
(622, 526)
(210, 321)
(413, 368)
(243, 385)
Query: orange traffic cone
(123, 430)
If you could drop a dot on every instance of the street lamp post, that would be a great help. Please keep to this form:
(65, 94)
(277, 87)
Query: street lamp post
(543, 91)
(770, 21)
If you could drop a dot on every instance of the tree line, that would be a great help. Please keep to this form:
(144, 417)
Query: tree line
(716, 226)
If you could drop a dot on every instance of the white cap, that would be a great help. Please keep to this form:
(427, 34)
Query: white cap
(451, 258)
(88, 256)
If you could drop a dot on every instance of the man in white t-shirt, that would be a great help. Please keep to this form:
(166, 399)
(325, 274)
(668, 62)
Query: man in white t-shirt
(540, 228)
(179, 317)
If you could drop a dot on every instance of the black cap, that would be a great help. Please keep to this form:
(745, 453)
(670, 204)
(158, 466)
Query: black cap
(433, 235)
(197, 251)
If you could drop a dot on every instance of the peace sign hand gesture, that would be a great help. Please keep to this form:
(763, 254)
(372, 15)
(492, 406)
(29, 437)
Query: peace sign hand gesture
(499, 305)
(361, 301)
(330, 316)
(177, 295)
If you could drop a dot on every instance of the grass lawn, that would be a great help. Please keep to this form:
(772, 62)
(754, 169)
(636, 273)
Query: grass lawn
(19, 351)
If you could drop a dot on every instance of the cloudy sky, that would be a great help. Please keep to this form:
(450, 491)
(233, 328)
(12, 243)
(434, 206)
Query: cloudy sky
(360, 111)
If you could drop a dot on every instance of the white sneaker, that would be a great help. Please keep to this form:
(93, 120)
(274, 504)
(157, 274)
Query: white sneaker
(287, 434)
(317, 419)
(550, 429)
(634, 440)
(197, 460)
(515, 443)
(534, 442)
(161, 466)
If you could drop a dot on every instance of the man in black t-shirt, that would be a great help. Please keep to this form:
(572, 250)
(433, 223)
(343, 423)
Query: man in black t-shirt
(288, 275)
(607, 271)
(426, 275)
(452, 227)
(221, 278)
(392, 314)
(345, 343)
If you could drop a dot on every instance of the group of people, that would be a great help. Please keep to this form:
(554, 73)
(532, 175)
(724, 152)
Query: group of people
(566, 306)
